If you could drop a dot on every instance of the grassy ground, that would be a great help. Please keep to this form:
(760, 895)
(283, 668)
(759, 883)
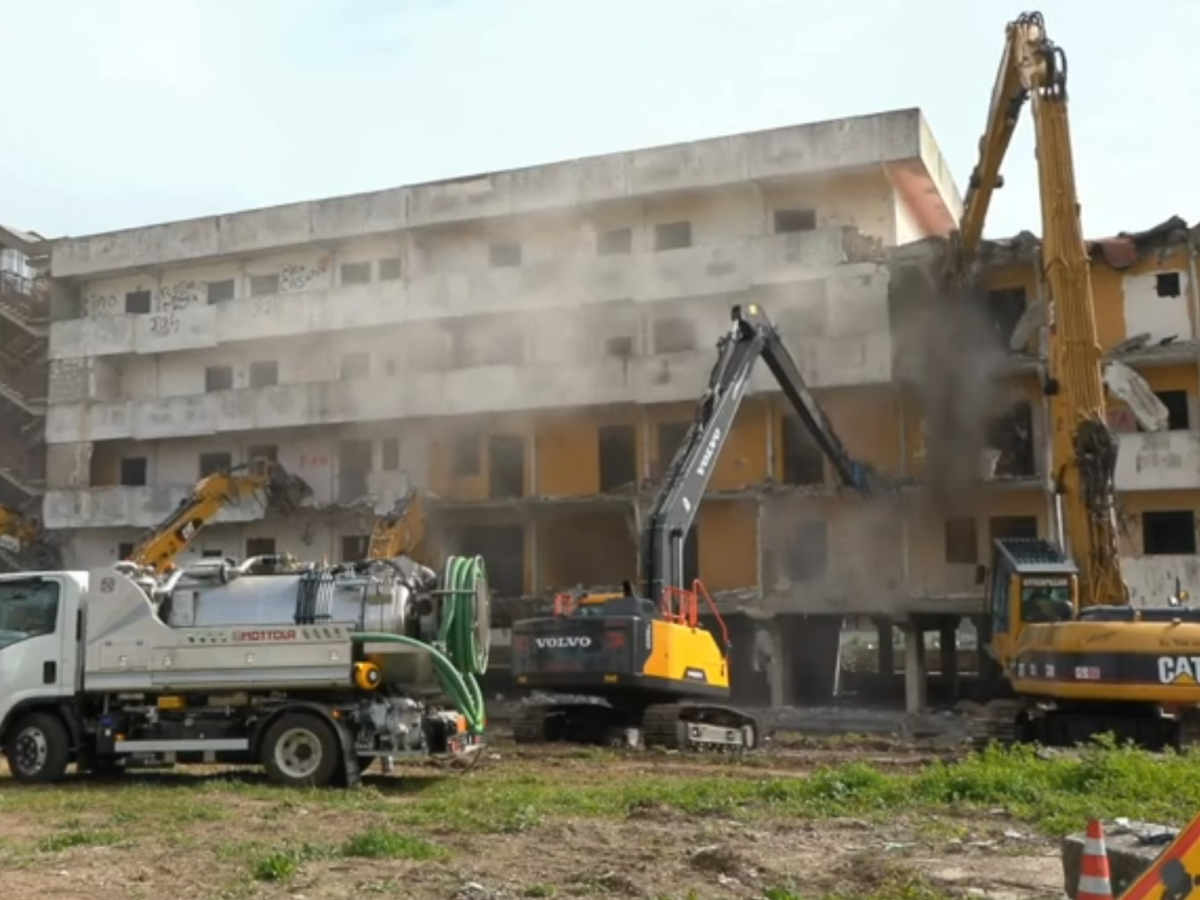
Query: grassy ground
(582, 823)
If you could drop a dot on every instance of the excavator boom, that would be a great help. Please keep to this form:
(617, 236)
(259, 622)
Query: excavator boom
(280, 491)
(1083, 449)
(678, 500)
(401, 531)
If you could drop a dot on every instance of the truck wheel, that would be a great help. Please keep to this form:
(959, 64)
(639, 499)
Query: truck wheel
(300, 750)
(38, 748)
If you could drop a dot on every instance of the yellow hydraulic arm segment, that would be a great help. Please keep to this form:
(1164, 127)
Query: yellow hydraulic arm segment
(18, 527)
(280, 491)
(1084, 450)
(401, 531)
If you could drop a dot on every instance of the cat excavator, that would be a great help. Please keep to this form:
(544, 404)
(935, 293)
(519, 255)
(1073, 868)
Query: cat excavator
(23, 542)
(401, 530)
(655, 672)
(262, 477)
(1072, 657)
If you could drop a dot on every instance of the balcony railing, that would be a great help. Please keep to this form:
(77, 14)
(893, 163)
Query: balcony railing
(129, 507)
(678, 377)
(1154, 579)
(1168, 460)
(714, 270)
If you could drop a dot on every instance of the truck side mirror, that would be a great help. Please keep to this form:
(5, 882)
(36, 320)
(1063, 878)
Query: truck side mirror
(980, 574)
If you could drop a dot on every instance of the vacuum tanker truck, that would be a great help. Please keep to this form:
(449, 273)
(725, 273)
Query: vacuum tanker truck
(309, 670)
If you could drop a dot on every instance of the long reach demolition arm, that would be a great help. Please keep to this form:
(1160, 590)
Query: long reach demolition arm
(281, 490)
(1083, 449)
(674, 510)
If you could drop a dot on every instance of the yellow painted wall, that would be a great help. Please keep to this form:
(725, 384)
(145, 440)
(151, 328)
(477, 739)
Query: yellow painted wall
(929, 571)
(728, 544)
(1108, 292)
(585, 547)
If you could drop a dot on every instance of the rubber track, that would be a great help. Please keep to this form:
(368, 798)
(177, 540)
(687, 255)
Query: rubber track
(529, 724)
(660, 722)
(997, 724)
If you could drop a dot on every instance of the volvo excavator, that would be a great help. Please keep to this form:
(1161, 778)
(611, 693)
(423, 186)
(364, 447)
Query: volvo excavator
(1073, 658)
(263, 477)
(655, 672)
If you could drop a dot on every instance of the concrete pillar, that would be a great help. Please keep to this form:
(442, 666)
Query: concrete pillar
(914, 668)
(769, 659)
(948, 638)
(885, 628)
(812, 657)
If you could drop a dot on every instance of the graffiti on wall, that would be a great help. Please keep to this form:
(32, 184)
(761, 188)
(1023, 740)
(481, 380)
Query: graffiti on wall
(100, 305)
(297, 277)
(180, 296)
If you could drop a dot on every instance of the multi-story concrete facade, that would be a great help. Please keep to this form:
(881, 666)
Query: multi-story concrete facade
(528, 345)
(24, 319)
(1147, 303)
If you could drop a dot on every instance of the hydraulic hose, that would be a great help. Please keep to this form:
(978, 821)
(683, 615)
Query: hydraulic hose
(464, 637)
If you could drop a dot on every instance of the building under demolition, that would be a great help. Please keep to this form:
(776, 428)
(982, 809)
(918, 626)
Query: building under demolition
(527, 346)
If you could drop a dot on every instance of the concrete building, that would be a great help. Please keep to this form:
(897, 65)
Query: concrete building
(24, 319)
(1147, 301)
(528, 345)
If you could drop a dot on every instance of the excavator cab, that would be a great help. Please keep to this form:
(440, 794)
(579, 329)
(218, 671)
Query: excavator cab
(1030, 582)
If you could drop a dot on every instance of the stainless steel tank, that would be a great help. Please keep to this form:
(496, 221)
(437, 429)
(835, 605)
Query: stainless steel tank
(369, 604)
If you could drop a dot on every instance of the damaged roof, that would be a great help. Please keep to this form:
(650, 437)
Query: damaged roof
(1119, 251)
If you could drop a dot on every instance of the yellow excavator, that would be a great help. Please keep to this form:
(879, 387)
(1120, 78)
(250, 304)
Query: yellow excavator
(24, 544)
(1075, 658)
(263, 477)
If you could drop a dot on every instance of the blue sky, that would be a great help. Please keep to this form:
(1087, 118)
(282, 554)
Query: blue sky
(128, 112)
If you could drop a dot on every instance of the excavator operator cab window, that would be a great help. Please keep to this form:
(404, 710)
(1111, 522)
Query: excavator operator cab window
(1046, 600)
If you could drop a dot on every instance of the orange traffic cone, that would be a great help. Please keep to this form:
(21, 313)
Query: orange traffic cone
(1095, 880)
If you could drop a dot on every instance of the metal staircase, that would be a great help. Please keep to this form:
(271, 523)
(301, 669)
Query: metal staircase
(24, 328)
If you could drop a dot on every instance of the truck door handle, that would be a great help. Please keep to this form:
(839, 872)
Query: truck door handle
(49, 672)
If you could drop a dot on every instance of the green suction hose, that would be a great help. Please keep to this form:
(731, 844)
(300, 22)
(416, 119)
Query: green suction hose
(464, 636)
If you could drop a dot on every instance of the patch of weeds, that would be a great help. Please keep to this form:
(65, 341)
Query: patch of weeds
(537, 890)
(278, 866)
(378, 843)
(77, 837)
(282, 865)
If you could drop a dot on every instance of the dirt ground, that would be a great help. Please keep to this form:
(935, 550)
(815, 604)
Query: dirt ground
(519, 824)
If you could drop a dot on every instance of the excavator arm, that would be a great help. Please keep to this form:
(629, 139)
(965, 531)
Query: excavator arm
(280, 491)
(401, 531)
(1083, 449)
(675, 506)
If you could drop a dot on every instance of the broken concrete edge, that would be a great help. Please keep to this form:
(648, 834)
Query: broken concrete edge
(1132, 849)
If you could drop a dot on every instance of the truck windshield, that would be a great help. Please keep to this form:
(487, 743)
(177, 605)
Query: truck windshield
(27, 609)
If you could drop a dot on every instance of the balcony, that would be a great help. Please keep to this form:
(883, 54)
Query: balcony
(1152, 579)
(128, 507)
(1169, 460)
(677, 377)
(839, 256)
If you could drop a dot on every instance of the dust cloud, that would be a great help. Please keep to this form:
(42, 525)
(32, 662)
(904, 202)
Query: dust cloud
(947, 352)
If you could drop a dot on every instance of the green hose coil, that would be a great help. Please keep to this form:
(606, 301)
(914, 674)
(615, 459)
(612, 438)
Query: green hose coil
(464, 637)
